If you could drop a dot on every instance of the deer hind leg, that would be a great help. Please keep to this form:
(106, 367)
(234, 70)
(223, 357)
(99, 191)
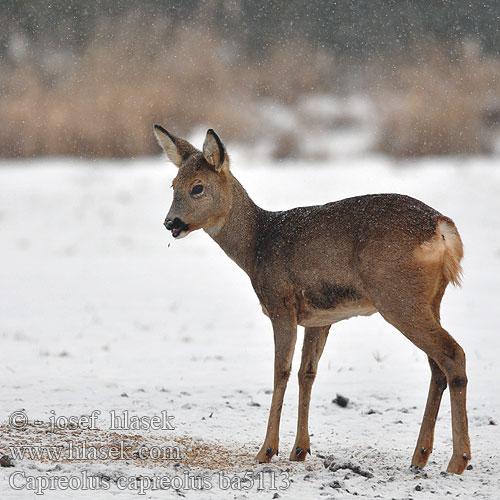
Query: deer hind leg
(314, 342)
(426, 437)
(438, 384)
(285, 336)
(418, 323)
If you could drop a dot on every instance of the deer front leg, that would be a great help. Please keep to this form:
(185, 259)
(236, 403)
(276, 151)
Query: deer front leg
(314, 342)
(285, 336)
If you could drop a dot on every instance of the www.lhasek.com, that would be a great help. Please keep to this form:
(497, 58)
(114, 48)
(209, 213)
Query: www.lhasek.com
(83, 451)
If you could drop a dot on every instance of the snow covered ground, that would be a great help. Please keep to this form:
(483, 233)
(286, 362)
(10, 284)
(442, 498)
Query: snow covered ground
(101, 310)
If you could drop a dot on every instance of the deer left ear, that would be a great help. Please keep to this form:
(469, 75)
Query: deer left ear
(215, 152)
(176, 149)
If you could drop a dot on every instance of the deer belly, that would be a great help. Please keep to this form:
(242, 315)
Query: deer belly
(311, 316)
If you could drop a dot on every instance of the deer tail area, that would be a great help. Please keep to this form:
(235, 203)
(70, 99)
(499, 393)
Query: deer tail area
(454, 251)
(446, 248)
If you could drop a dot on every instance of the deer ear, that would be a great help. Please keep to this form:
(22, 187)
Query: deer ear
(215, 152)
(176, 149)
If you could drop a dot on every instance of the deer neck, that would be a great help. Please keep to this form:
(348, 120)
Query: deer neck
(237, 234)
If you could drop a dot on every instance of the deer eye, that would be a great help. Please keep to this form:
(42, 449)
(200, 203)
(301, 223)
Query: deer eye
(198, 189)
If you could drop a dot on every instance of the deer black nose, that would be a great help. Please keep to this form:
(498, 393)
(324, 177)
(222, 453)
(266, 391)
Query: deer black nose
(169, 224)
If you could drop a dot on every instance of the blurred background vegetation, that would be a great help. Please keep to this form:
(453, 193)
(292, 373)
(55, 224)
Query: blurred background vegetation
(90, 78)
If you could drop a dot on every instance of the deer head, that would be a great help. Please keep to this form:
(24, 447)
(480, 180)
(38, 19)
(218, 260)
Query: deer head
(202, 193)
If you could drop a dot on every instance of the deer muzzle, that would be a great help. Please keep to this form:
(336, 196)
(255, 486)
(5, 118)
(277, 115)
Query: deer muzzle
(176, 226)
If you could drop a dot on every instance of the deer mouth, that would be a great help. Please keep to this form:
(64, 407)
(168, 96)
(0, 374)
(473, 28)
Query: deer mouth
(176, 232)
(177, 226)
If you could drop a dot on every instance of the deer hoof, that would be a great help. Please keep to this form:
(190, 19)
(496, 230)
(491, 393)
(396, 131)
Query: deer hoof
(299, 454)
(265, 454)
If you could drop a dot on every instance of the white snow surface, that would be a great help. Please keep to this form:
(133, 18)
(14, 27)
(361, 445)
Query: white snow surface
(102, 310)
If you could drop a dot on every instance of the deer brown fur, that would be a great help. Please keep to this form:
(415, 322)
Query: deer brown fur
(315, 266)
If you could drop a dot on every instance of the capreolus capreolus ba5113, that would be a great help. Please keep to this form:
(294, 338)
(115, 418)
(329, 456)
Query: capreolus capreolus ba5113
(314, 266)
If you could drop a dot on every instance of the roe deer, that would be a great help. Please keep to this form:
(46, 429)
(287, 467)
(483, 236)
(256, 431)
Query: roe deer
(315, 266)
